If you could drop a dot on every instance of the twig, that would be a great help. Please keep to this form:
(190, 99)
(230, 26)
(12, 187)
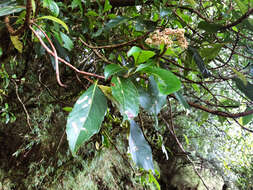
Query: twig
(19, 99)
(62, 60)
(182, 149)
(55, 56)
(114, 45)
(61, 140)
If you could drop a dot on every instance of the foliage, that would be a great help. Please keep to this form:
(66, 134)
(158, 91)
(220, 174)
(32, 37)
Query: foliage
(176, 76)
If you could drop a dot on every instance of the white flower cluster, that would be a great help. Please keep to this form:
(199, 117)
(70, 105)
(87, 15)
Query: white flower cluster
(167, 37)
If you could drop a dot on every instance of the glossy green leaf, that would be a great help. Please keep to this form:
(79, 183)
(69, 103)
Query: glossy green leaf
(246, 89)
(140, 150)
(126, 94)
(199, 62)
(54, 19)
(151, 100)
(182, 99)
(67, 42)
(67, 109)
(166, 80)
(52, 6)
(7, 10)
(86, 117)
(1, 52)
(209, 27)
(140, 56)
(112, 69)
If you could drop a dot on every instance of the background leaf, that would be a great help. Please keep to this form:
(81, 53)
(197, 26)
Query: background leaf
(181, 99)
(54, 19)
(67, 42)
(17, 43)
(126, 94)
(209, 27)
(7, 10)
(139, 148)
(86, 117)
(248, 118)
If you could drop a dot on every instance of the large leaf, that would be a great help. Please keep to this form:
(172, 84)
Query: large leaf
(7, 10)
(112, 69)
(86, 117)
(247, 89)
(67, 42)
(139, 148)
(199, 62)
(151, 100)
(52, 6)
(166, 80)
(140, 56)
(126, 94)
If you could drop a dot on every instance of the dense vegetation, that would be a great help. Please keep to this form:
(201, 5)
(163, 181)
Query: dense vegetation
(165, 85)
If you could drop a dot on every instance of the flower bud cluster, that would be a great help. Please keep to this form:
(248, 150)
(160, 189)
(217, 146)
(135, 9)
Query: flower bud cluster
(168, 37)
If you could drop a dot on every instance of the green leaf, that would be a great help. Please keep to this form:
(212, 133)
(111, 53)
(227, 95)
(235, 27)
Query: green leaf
(77, 3)
(86, 117)
(199, 62)
(209, 27)
(126, 94)
(166, 80)
(181, 99)
(246, 89)
(248, 118)
(52, 6)
(151, 100)
(67, 109)
(54, 19)
(17, 43)
(140, 56)
(115, 22)
(140, 150)
(210, 52)
(112, 69)
(192, 2)
(241, 6)
(107, 6)
(67, 42)
(7, 10)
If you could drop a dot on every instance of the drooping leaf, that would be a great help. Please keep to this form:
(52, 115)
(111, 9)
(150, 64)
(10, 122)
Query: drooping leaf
(166, 80)
(112, 69)
(248, 118)
(67, 42)
(140, 56)
(126, 94)
(151, 100)
(54, 19)
(17, 43)
(86, 117)
(209, 27)
(7, 10)
(199, 62)
(246, 89)
(139, 148)
(181, 99)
